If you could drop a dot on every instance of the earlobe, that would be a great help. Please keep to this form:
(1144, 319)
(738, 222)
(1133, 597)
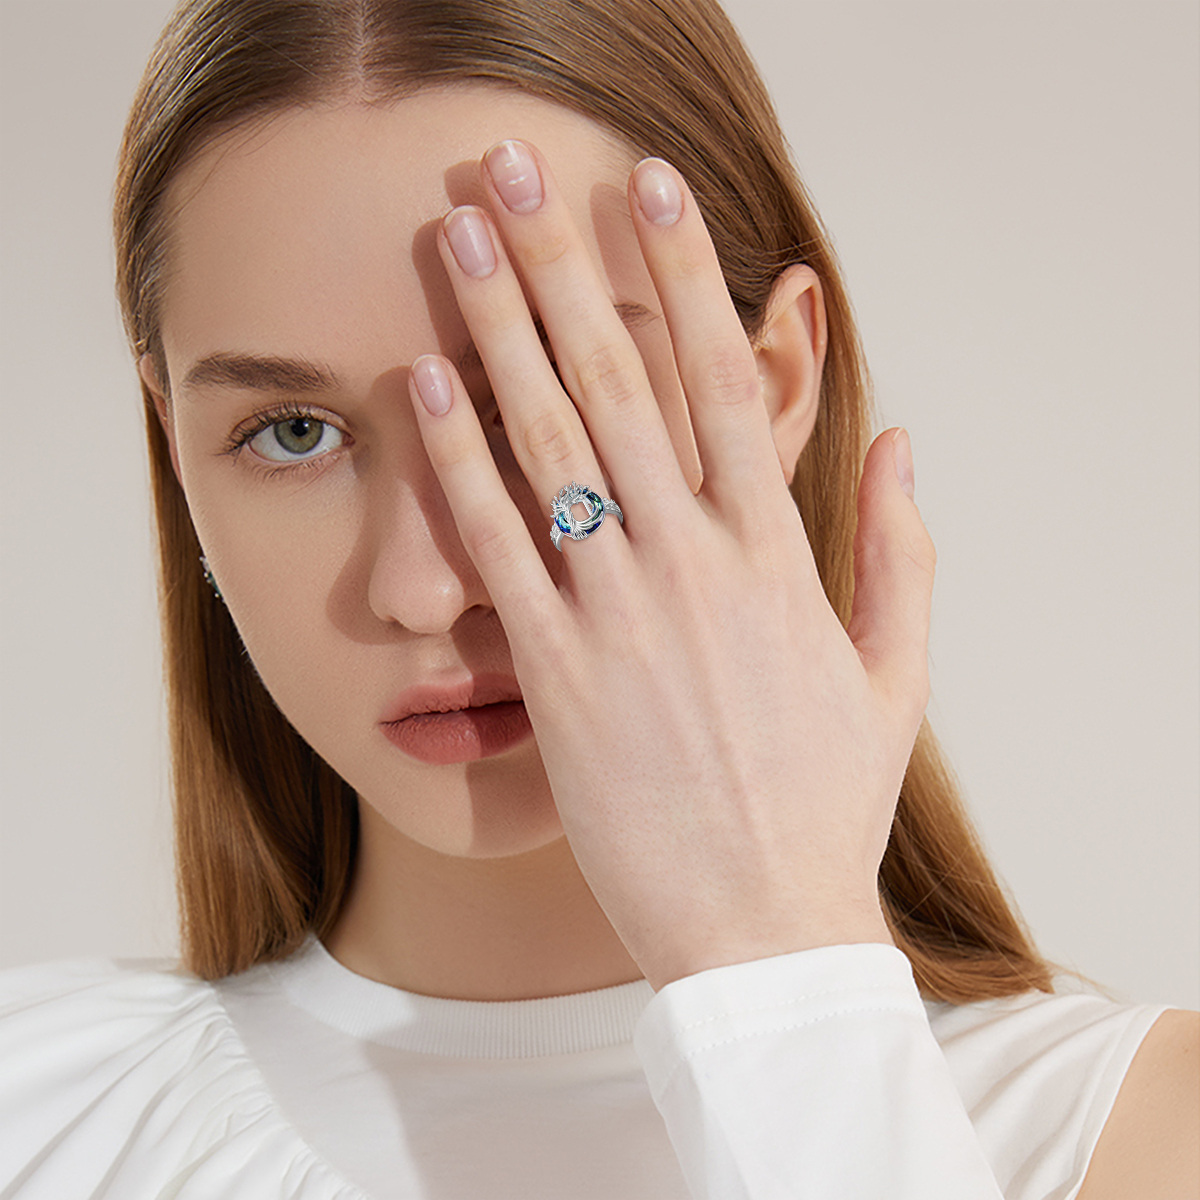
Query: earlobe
(162, 407)
(791, 357)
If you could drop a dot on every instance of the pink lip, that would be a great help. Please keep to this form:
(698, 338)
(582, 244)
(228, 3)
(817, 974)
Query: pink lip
(471, 692)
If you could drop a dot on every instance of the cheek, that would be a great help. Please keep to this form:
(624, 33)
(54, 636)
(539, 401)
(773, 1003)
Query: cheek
(278, 552)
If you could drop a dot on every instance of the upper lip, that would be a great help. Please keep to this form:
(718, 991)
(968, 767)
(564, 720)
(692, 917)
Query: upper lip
(470, 692)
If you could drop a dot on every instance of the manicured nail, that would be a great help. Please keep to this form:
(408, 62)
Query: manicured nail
(468, 235)
(515, 174)
(657, 192)
(902, 453)
(432, 384)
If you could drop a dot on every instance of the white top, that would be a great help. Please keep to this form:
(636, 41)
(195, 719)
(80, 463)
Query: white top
(818, 1074)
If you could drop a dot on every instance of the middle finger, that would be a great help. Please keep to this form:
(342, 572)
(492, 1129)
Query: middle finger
(597, 358)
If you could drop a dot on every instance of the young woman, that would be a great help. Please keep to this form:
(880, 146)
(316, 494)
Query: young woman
(547, 633)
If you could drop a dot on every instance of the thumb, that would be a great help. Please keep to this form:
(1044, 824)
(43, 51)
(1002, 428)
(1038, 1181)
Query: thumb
(894, 562)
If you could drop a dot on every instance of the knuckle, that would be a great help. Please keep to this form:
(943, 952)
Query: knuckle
(547, 442)
(731, 377)
(906, 551)
(490, 547)
(688, 263)
(605, 378)
(546, 249)
(920, 551)
(452, 456)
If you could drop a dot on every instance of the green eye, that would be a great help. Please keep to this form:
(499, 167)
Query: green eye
(298, 436)
(294, 438)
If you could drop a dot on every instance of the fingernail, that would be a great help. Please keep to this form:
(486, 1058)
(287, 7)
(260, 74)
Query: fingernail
(515, 175)
(902, 454)
(657, 192)
(468, 235)
(432, 384)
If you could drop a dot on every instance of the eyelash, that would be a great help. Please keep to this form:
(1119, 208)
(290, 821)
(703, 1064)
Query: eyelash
(280, 415)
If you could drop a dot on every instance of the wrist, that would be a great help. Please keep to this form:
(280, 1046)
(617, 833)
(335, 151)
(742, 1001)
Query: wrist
(868, 927)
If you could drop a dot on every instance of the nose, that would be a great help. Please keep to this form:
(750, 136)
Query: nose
(420, 574)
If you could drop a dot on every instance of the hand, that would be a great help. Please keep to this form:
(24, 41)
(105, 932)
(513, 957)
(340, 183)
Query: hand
(724, 756)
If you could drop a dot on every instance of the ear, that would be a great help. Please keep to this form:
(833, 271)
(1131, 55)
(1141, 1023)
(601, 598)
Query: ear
(791, 355)
(161, 405)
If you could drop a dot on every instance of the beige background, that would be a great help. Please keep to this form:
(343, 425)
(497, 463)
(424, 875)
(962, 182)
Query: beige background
(1012, 187)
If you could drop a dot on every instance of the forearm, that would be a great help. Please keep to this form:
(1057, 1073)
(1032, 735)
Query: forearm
(810, 1075)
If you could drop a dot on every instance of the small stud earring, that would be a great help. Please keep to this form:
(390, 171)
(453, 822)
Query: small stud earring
(208, 575)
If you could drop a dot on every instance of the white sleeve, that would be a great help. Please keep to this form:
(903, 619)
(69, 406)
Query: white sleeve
(810, 1076)
(125, 1080)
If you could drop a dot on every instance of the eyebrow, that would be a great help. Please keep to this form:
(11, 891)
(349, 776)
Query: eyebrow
(260, 373)
(272, 373)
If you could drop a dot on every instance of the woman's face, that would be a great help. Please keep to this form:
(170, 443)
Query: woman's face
(310, 236)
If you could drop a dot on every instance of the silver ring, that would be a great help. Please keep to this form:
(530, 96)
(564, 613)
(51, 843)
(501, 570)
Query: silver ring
(565, 522)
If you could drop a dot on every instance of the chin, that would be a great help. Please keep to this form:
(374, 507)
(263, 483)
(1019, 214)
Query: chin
(505, 810)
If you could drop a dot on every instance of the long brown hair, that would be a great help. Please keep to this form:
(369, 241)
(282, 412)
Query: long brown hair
(266, 832)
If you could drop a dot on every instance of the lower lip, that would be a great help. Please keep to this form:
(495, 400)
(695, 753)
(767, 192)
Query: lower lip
(461, 736)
